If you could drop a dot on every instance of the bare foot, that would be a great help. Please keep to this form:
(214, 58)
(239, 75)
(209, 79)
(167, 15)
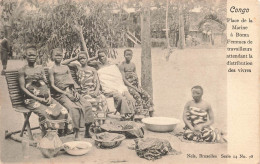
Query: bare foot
(77, 138)
(122, 117)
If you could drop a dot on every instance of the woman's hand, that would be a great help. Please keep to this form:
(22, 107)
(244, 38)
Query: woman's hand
(49, 100)
(77, 27)
(95, 94)
(136, 89)
(198, 127)
(197, 133)
(42, 100)
(76, 95)
(70, 96)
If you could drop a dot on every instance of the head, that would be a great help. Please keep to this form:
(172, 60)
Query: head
(128, 54)
(57, 55)
(31, 53)
(197, 92)
(102, 56)
(82, 58)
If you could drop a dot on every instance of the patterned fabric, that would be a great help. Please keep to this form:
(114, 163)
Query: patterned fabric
(198, 116)
(88, 86)
(53, 116)
(142, 98)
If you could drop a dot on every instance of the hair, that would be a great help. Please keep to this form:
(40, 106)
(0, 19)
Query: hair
(197, 87)
(54, 49)
(102, 51)
(30, 46)
(83, 52)
(128, 50)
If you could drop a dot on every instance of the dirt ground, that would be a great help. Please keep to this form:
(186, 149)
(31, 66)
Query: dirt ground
(172, 82)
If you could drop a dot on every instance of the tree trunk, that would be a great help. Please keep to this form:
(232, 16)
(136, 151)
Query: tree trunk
(167, 32)
(146, 67)
(181, 27)
(166, 26)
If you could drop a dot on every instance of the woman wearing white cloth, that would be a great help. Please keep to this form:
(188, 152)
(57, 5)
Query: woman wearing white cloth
(112, 85)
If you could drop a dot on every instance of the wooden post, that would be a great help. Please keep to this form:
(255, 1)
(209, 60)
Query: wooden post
(181, 27)
(166, 25)
(146, 67)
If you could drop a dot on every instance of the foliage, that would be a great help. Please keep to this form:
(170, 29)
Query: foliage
(212, 22)
(50, 25)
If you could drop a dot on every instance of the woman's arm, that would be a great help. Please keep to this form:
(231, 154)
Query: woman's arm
(22, 86)
(134, 69)
(68, 61)
(211, 117)
(97, 80)
(184, 117)
(121, 68)
(93, 58)
(46, 81)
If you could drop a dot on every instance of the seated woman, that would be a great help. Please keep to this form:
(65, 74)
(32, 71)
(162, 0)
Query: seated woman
(111, 80)
(112, 84)
(142, 98)
(37, 96)
(88, 81)
(198, 116)
(62, 82)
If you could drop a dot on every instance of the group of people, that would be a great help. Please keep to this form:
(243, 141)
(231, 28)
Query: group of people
(70, 108)
(71, 105)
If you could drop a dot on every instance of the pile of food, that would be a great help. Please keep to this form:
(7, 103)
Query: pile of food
(118, 126)
(108, 140)
(153, 148)
(107, 137)
(129, 128)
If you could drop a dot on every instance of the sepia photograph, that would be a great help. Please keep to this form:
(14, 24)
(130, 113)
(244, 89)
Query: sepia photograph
(113, 81)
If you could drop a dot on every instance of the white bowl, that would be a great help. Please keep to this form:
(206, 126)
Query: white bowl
(77, 147)
(160, 124)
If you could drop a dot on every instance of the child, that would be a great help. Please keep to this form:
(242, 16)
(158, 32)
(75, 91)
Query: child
(198, 116)
(142, 99)
(66, 94)
(88, 81)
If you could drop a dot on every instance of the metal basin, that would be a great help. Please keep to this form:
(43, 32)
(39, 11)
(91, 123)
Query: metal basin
(160, 124)
(77, 147)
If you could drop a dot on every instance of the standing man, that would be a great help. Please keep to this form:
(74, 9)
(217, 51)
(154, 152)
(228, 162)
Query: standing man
(5, 50)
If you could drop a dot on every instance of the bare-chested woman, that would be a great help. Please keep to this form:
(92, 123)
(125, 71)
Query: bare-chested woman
(62, 82)
(128, 70)
(37, 96)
